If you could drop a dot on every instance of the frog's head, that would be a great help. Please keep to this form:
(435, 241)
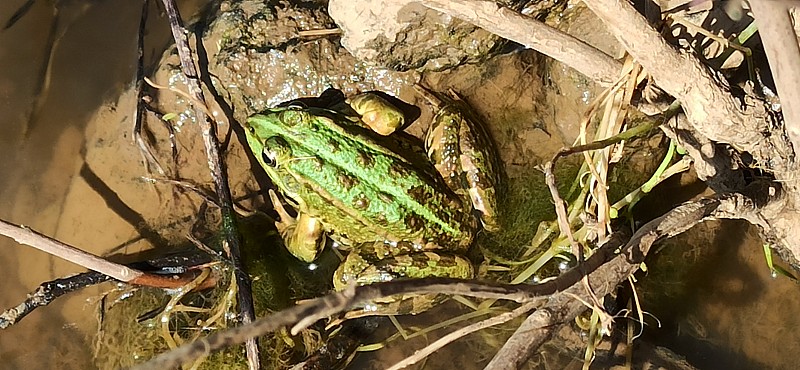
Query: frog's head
(268, 136)
(268, 133)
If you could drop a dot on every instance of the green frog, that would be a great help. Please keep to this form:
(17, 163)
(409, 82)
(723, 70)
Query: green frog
(402, 214)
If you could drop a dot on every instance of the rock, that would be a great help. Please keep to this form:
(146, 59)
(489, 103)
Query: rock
(404, 35)
(264, 54)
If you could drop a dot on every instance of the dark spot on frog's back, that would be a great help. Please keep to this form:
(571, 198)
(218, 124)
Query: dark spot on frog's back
(347, 181)
(317, 164)
(419, 194)
(412, 221)
(361, 202)
(365, 159)
(333, 145)
(455, 203)
(386, 198)
(381, 220)
(397, 170)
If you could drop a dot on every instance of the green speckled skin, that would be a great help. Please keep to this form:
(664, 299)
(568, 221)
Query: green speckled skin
(382, 197)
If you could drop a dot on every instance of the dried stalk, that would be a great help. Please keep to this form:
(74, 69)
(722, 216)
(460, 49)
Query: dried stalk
(217, 169)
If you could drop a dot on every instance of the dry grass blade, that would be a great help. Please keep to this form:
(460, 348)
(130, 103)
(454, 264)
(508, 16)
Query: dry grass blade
(456, 334)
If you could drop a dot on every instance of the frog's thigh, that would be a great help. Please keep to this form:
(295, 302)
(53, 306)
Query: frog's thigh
(462, 154)
(442, 146)
(356, 270)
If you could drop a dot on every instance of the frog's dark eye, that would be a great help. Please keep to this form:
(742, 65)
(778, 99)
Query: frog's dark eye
(268, 157)
(276, 151)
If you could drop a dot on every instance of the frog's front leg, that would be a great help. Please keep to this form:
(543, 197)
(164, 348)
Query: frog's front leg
(303, 236)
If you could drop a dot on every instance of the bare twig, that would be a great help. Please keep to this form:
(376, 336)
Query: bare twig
(144, 149)
(550, 179)
(18, 14)
(44, 78)
(46, 293)
(560, 207)
(49, 291)
(217, 168)
(27, 236)
(533, 34)
(712, 165)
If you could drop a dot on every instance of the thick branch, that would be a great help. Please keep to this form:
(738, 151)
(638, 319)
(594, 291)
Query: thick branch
(709, 106)
(563, 306)
(783, 51)
(712, 113)
(533, 34)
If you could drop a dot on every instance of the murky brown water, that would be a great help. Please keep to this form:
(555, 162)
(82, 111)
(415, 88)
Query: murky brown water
(42, 159)
(67, 171)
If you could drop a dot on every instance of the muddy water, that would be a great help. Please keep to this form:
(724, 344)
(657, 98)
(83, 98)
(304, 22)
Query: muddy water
(72, 172)
(43, 146)
(718, 302)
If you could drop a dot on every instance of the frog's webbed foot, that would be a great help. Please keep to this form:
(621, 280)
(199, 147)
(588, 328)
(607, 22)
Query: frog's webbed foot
(303, 235)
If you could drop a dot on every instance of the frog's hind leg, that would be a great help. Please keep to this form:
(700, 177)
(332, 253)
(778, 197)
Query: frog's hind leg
(357, 270)
(466, 158)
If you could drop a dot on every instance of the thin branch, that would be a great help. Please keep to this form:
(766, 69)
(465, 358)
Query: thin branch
(30, 237)
(48, 292)
(27, 236)
(550, 179)
(217, 168)
(147, 154)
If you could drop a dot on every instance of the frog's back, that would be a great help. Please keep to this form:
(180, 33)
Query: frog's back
(359, 189)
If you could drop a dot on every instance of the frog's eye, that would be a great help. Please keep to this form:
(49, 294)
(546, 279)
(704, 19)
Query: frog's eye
(268, 157)
(276, 150)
